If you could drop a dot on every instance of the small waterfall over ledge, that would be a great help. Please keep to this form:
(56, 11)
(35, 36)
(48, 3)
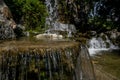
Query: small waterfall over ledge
(52, 21)
(97, 44)
(45, 61)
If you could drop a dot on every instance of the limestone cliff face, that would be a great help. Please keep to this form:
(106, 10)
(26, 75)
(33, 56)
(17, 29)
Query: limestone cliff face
(5, 15)
(7, 24)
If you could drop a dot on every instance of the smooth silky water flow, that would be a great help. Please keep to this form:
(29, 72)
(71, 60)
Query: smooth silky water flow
(44, 60)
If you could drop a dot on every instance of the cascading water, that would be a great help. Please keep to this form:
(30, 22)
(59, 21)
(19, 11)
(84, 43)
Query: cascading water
(45, 61)
(52, 21)
(99, 44)
(97, 6)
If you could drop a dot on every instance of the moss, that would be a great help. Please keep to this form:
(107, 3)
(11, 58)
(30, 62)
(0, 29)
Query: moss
(35, 59)
(34, 46)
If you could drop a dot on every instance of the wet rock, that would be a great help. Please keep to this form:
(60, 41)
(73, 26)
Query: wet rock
(113, 34)
(103, 36)
(8, 28)
(6, 32)
(92, 33)
(58, 27)
(6, 16)
(27, 33)
(18, 32)
(118, 41)
(7, 24)
(49, 36)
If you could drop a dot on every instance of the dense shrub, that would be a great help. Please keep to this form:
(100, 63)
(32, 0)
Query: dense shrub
(30, 13)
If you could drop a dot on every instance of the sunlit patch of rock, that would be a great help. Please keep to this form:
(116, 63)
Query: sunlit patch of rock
(49, 36)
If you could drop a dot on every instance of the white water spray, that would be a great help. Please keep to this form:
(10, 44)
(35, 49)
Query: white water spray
(52, 20)
(99, 44)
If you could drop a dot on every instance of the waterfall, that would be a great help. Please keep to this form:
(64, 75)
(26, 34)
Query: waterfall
(45, 62)
(97, 44)
(52, 21)
(96, 7)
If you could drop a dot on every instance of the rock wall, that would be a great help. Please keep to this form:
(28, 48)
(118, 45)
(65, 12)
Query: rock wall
(7, 24)
(108, 39)
(5, 15)
(114, 36)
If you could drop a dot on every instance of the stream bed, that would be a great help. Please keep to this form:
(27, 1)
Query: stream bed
(108, 63)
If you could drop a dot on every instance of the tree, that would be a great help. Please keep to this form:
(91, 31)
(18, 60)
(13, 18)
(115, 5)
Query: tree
(30, 13)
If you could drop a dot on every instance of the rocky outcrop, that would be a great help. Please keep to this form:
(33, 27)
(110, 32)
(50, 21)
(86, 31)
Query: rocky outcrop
(7, 24)
(108, 39)
(6, 16)
(8, 28)
(114, 36)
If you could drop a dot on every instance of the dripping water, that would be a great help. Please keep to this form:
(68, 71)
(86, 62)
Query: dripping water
(48, 64)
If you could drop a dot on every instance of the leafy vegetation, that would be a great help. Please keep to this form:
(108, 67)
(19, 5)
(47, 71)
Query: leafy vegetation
(105, 15)
(31, 13)
(98, 15)
(75, 12)
(81, 13)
